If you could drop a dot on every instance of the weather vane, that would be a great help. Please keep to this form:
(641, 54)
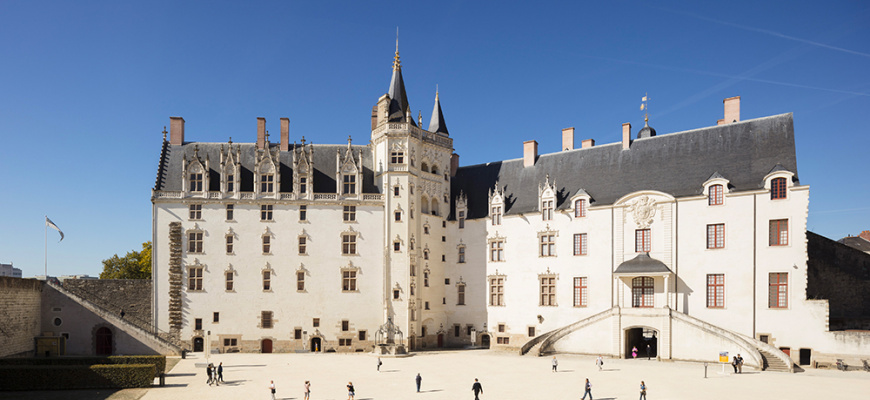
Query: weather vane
(644, 106)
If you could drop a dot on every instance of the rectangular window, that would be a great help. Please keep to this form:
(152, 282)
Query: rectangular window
(349, 213)
(777, 189)
(426, 305)
(396, 294)
(267, 280)
(348, 244)
(531, 331)
(462, 254)
(297, 333)
(230, 342)
(778, 232)
(194, 278)
(345, 342)
(229, 280)
(468, 329)
(194, 242)
(398, 216)
(349, 184)
(303, 185)
(230, 209)
(345, 325)
(197, 324)
(303, 213)
(456, 330)
(642, 241)
(501, 328)
(229, 244)
(548, 246)
(580, 208)
(397, 157)
(778, 290)
(581, 293)
(462, 220)
(267, 183)
(716, 236)
(315, 322)
(195, 211)
(715, 290)
(266, 319)
(714, 196)
(196, 182)
(396, 191)
(548, 291)
(267, 245)
(300, 281)
(503, 340)
(496, 215)
(426, 278)
(460, 295)
(303, 245)
(266, 212)
(496, 250)
(397, 246)
(348, 281)
(580, 244)
(216, 317)
(547, 210)
(496, 291)
(231, 183)
(362, 335)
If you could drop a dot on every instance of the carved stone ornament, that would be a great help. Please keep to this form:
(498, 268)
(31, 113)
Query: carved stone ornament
(643, 210)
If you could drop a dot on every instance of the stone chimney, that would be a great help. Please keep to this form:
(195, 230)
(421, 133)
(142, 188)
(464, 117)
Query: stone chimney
(530, 153)
(261, 133)
(176, 130)
(568, 139)
(454, 164)
(285, 134)
(865, 235)
(374, 117)
(626, 135)
(587, 143)
(732, 110)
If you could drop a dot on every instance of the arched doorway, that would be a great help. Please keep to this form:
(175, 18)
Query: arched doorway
(645, 339)
(315, 344)
(266, 346)
(103, 341)
(440, 340)
(198, 345)
(484, 341)
(642, 292)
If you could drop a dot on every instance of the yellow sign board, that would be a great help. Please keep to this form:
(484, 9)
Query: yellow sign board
(723, 356)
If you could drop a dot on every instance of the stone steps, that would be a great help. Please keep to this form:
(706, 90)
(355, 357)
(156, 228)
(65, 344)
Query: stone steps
(772, 363)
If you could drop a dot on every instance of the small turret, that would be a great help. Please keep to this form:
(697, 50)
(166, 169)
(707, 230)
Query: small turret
(437, 124)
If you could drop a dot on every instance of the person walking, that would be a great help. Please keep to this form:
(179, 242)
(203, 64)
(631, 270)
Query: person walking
(477, 389)
(555, 364)
(350, 391)
(307, 390)
(419, 380)
(739, 364)
(208, 373)
(220, 374)
(272, 389)
(588, 390)
(379, 364)
(734, 363)
(599, 362)
(642, 391)
(648, 351)
(633, 351)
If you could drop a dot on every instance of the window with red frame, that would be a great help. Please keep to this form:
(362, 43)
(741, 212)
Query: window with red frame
(580, 208)
(716, 236)
(642, 290)
(778, 290)
(715, 290)
(642, 241)
(580, 244)
(778, 232)
(581, 293)
(777, 189)
(714, 197)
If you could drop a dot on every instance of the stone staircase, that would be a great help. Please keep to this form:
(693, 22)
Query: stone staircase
(146, 336)
(772, 363)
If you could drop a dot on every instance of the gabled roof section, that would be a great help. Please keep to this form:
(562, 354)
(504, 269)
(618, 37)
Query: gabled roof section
(676, 164)
(716, 175)
(437, 124)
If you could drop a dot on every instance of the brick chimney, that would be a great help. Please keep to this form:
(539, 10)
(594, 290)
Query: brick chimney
(176, 130)
(626, 135)
(285, 134)
(568, 139)
(261, 133)
(530, 153)
(587, 143)
(732, 110)
(865, 235)
(454, 164)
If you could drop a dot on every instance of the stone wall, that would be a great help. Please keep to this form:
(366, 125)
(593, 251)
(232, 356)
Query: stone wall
(20, 303)
(133, 296)
(841, 275)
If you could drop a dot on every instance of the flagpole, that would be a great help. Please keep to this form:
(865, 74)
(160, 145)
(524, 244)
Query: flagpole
(46, 248)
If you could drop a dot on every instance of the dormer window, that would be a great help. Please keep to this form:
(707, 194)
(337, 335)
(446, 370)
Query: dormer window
(777, 188)
(349, 184)
(231, 183)
(196, 181)
(496, 215)
(714, 197)
(580, 208)
(547, 210)
(267, 183)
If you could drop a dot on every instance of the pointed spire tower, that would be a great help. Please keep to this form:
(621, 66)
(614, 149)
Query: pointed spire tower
(399, 107)
(436, 124)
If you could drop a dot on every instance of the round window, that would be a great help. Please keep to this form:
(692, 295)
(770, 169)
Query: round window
(58, 322)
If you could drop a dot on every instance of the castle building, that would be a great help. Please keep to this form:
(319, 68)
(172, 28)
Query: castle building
(690, 243)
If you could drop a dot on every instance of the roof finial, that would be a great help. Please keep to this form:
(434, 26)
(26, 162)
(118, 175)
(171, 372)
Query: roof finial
(231, 140)
(397, 64)
(164, 133)
(644, 105)
(348, 141)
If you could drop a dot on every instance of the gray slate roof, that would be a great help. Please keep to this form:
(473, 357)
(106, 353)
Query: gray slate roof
(676, 163)
(856, 242)
(642, 264)
(169, 171)
(437, 124)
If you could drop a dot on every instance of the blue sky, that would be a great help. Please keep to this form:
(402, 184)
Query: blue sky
(86, 88)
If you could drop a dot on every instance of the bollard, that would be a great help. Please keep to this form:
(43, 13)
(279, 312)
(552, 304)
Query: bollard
(705, 370)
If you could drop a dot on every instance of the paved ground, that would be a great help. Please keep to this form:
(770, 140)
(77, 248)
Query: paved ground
(449, 375)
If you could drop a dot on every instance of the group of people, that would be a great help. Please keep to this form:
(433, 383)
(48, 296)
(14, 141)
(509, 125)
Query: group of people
(737, 363)
(648, 352)
(215, 375)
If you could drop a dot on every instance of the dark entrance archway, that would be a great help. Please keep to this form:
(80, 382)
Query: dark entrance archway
(198, 345)
(315, 344)
(440, 340)
(266, 346)
(645, 339)
(484, 341)
(103, 341)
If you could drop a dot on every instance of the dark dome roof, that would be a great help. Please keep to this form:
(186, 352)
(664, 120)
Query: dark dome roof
(646, 132)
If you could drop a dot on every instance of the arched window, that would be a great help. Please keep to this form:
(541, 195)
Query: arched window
(434, 209)
(103, 341)
(714, 198)
(777, 189)
(424, 205)
(435, 170)
(642, 290)
(424, 167)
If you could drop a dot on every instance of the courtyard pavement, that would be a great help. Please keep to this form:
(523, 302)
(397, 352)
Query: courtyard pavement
(450, 374)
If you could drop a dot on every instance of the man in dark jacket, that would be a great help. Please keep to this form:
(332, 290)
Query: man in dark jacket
(477, 389)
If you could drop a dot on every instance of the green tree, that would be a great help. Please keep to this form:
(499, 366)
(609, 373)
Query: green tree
(134, 265)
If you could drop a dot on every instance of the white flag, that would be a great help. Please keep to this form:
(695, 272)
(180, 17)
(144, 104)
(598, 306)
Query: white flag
(51, 224)
(643, 99)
